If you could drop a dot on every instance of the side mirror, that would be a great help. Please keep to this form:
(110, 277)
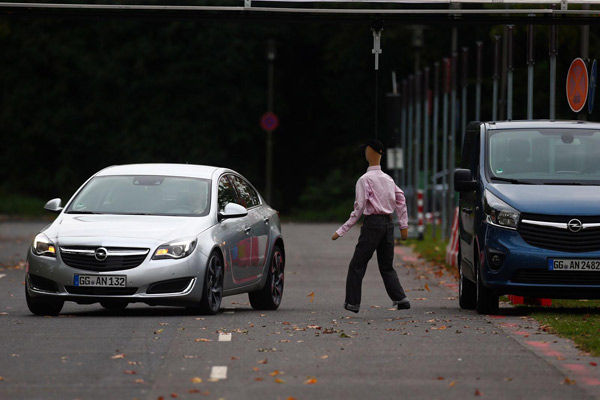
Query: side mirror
(463, 181)
(232, 210)
(54, 205)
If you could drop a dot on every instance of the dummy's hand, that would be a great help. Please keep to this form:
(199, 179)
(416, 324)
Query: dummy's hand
(404, 234)
(335, 236)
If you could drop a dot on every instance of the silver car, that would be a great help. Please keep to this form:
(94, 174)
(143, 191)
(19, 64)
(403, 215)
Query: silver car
(160, 234)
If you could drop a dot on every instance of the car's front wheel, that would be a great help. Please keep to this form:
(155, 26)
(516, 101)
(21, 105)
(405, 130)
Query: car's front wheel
(487, 299)
(213, 285)
(269, 297)
(43, 305)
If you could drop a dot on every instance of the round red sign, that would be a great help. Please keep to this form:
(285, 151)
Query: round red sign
(269, 121)
(577, 85)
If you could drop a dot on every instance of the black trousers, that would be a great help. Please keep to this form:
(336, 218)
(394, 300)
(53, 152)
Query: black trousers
(377, 233)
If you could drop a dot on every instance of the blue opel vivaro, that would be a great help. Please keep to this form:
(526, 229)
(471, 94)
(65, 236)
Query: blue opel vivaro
(529, 211)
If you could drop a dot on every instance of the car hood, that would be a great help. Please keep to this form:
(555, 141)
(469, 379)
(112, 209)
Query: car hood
(133, 227)
(550, 199)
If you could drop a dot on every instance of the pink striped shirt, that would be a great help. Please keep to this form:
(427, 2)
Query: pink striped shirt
(376, 193)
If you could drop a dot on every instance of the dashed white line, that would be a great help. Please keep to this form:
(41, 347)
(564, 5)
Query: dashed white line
(218, 373)
(224, 337)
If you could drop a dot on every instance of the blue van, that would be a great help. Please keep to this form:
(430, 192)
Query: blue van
(529, 211)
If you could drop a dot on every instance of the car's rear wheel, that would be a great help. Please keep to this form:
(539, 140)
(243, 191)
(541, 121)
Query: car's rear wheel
(213, 285)
(270, 296)
(43, 305)
(487, 300)
(114, 305)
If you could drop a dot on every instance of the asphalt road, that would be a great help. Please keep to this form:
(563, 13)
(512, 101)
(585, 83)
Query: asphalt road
(308, 349)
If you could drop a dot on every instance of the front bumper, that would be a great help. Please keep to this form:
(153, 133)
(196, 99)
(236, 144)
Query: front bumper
(154, 282)
(524, 270)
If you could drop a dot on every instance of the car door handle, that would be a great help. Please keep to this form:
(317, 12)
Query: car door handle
(247, 229)
(468, 210)
(266, 220)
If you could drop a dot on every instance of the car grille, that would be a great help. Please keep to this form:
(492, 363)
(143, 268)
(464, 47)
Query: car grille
(101, 291)
(117, 258)
(537, 276)
(559, 239)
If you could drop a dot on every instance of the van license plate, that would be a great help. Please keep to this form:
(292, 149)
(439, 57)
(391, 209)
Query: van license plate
(100, 280)
(573, 265)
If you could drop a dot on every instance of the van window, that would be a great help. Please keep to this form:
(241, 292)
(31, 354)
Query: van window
(570, 156)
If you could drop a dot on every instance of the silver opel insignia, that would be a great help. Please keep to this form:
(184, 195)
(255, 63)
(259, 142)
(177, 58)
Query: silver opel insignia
(160, 234)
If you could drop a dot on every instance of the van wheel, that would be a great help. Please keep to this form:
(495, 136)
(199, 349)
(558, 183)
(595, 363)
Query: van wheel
(487, 300)
(467, 291)
(269, 297)
(43, 305)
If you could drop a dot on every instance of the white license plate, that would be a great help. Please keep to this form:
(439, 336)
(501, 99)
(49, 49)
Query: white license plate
(101, 280)
(573, 265)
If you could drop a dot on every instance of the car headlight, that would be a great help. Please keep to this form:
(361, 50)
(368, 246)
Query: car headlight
(499, 213)
(42, 246)
(174, 250)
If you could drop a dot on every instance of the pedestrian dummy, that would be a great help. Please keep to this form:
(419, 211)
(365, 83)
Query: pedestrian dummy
(377, 197)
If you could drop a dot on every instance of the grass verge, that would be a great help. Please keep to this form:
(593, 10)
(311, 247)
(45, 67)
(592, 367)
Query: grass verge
(431, 248)
(578, 320)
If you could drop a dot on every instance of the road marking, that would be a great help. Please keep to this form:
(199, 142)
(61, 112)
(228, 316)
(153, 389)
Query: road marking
(218, 373)
(224, 337)
(2, 276)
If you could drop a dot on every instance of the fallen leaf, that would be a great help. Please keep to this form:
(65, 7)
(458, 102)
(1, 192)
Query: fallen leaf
(344, 335)
(508, 379)
(255, 369)
(203, 340)
(139, 381)
(452, 384)
(1, 378)
(478, 392)
(560, 358)
(275, 373)
(313, 326)
(263, 361)
(440, 378)
(291, 398)
(325, 356)
(163, 323)
(279, 380)
(427, 287)
(593, 364)
(174, 395)
(421, 298)
(235, 358)
(312, 296)
(284, 341)
(568, 381)
(134, 363)
(259, 379)
(3, 313)
(118, 356)
(196, 380)
(310, 381)
(158, 331)
(129, 372)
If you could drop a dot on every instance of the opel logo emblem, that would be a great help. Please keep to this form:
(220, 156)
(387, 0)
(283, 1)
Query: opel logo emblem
(575, 225)
(101, 254)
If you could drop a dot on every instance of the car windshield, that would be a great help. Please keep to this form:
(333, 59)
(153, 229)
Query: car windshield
(143, 195)
(545, 156)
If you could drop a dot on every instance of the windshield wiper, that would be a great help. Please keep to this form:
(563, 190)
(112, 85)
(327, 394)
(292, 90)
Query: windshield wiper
(511, 180)
(567, 183)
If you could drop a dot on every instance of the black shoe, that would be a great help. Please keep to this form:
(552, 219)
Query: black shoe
(403, 304)
(351, 307)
